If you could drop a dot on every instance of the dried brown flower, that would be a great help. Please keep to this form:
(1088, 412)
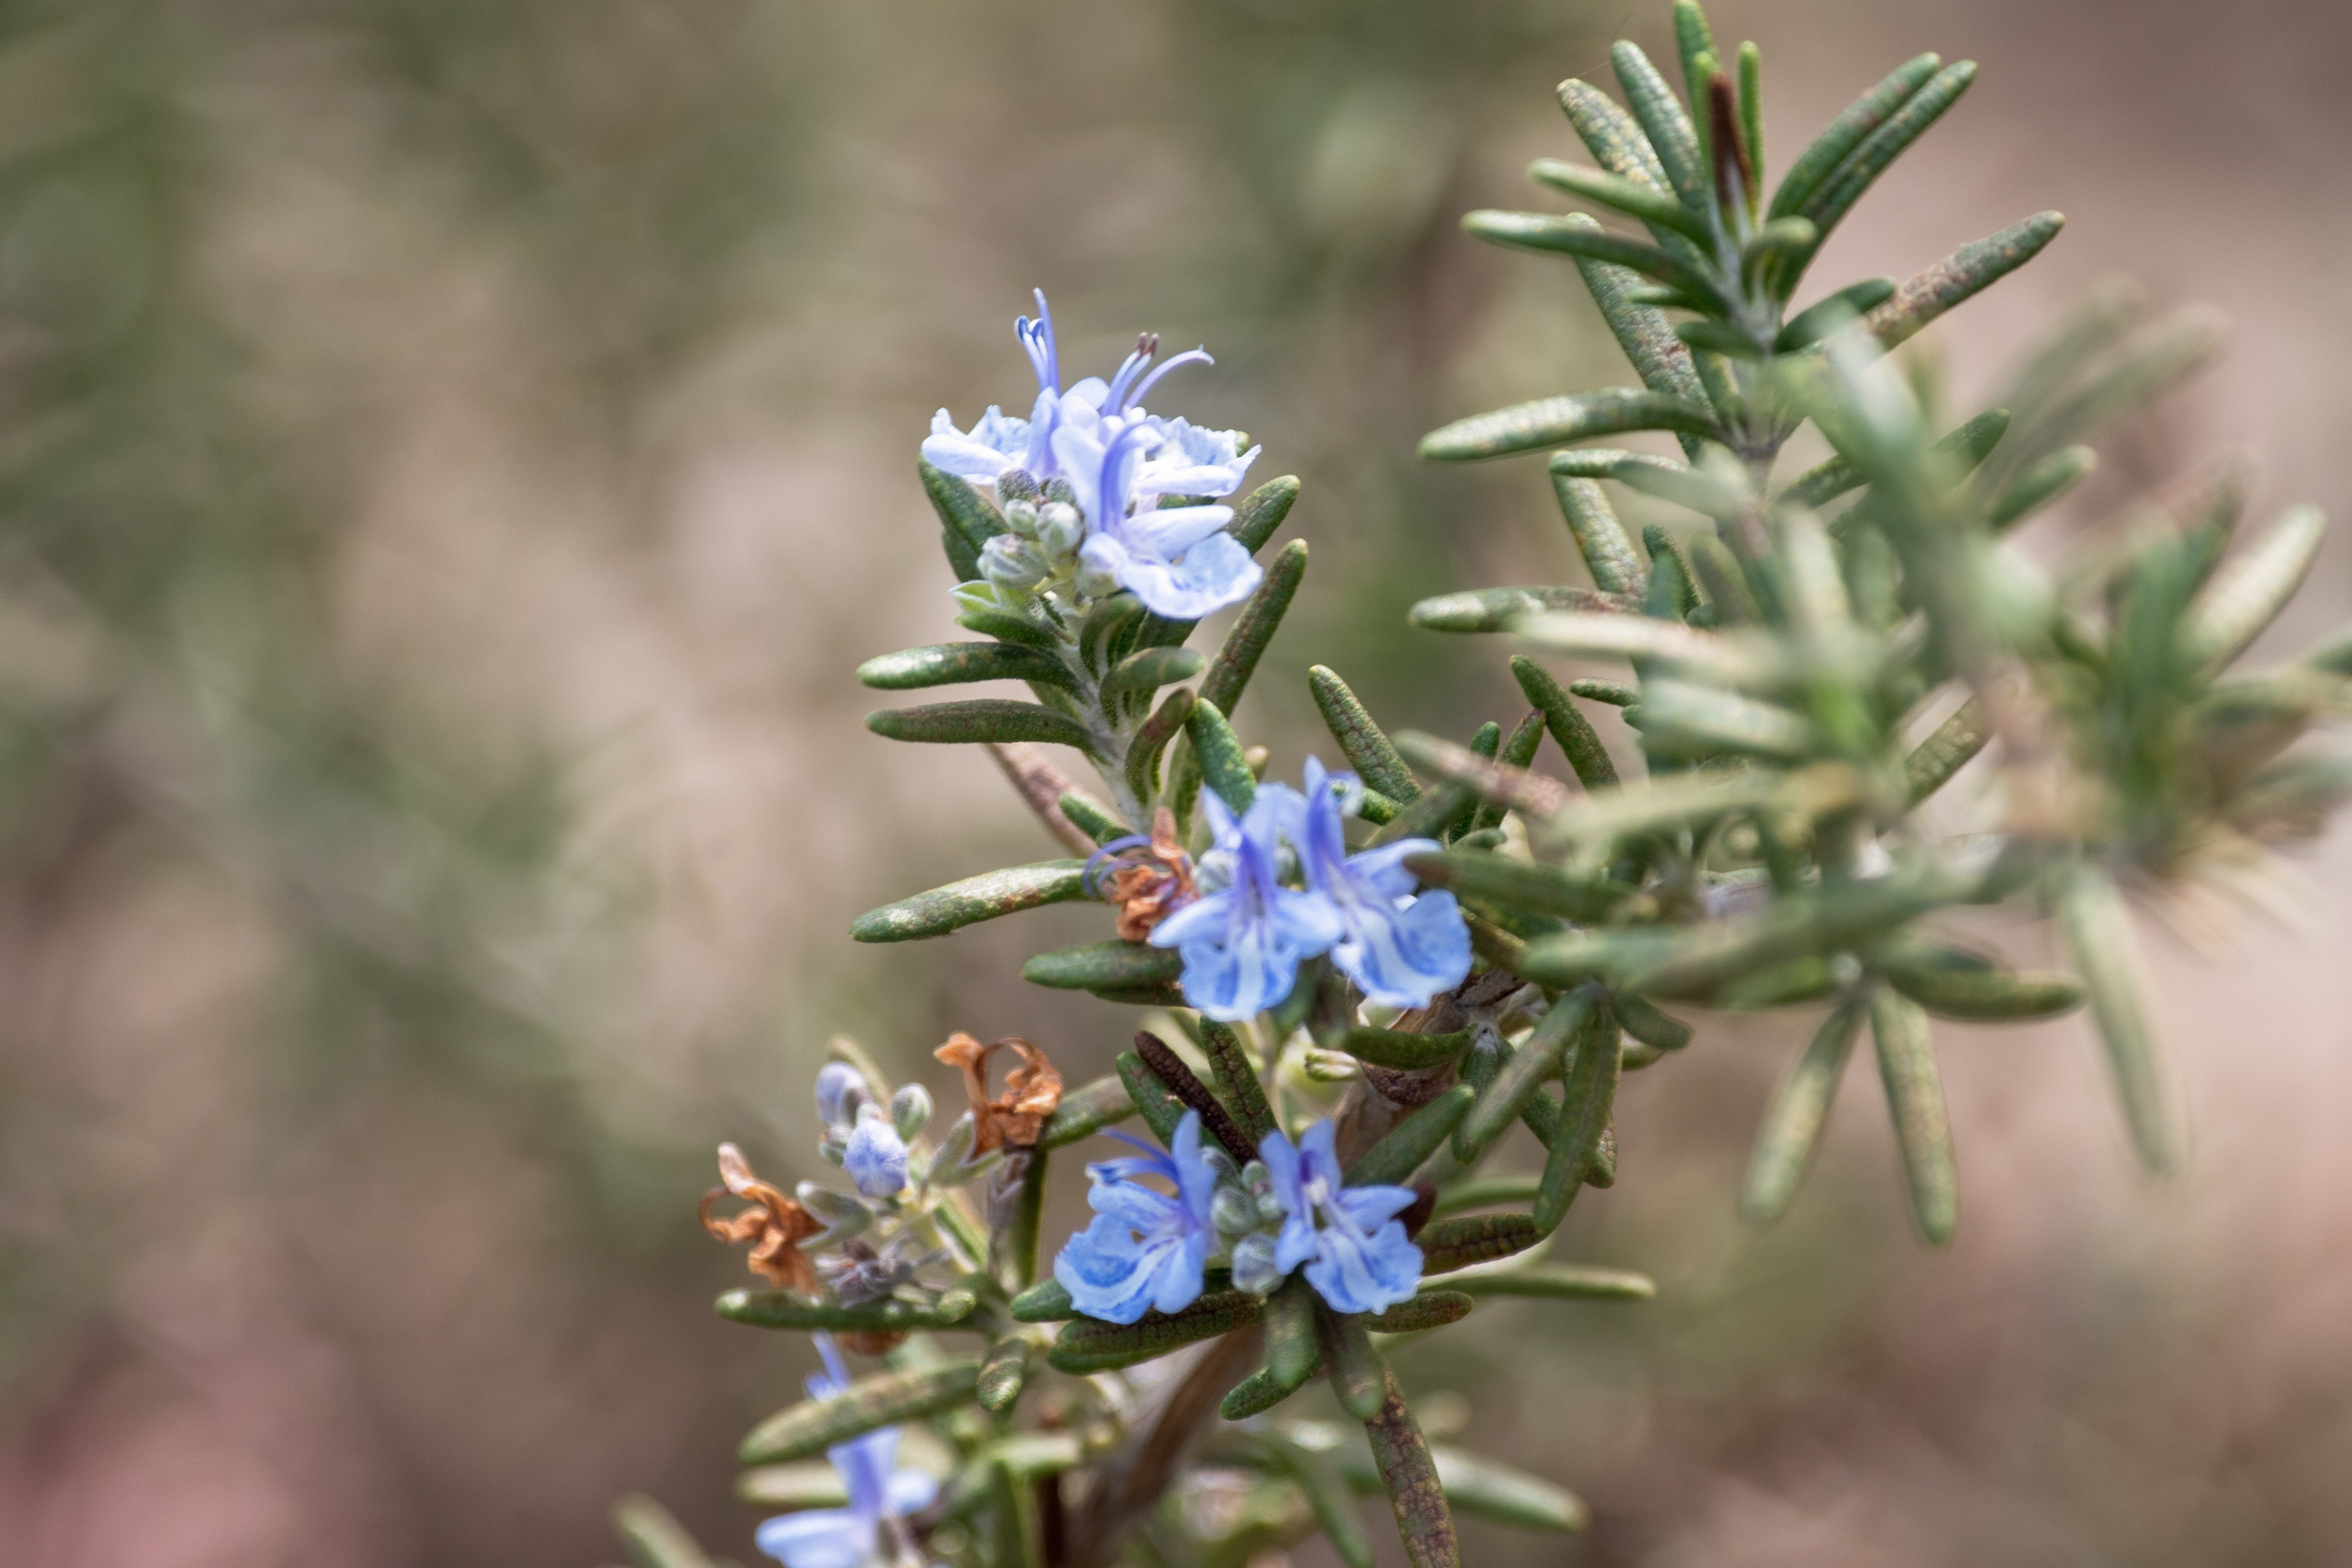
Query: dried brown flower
(774, 1225)
(1150, 879)
(1031, 1090)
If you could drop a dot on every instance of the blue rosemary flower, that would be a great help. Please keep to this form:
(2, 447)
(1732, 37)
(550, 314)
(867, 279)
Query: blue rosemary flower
(880, 1494)
(1354, 1247)
(1145, 1248)
(1243, 939)
(1118, 460)
(1399, 949)
(1178, 559)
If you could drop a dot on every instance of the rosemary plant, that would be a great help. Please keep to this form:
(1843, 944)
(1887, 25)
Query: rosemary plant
(1366, 983)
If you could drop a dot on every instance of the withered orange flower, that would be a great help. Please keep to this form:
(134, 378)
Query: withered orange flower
(1031, 1090)
(774, 1225)
(1150, 879)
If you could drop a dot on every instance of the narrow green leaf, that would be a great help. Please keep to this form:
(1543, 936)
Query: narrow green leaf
(1005, 626)
(1945, 750)
(1408, 1473)
(1848, 131)
(1801, 1107)
(1554, 421)
(1426, 1310)
(1258, 1393)
(979, 720)
(1368, 749)
(1427, 816)
(1679, 718)
(1086, 1110)
(1600, 821)
(971, 901)
(2250, 590)
(1088, 1344)
(1562, 1281)
(1725, 658)
(1355, 1368)
(1534, 1062)
(1010, 1544)
(1610, 134)
(816, 1424)
(1237, 659)
(1997, 996)
(1968, 272)
(1662, 122)
(1161, 1109)
(1151, 737)
(1493, 609)
(1915, 1097)
(1485, 1192)
(1517, 884)
(962, 508)
(1751, 118)
(1013, 1257)
(1515, 787)
(1565, 236)
(1640, 1018)
(1451, 1244)
(1601, 539)
(1292, 1354)
(1003, 1374)
(1395, 1048)
(1106, 626)
(1102, 965)
(1327, 1494)
(1091, 819)
(1570, 730)
(2106, 953)
(1641, 330)
(1647, 203)
(1223, 766)
(1236, 1081)
(1406, 1146)
(790, 1310)
(791, 1488)
(1837, 195)
(1825, 316)
(1146, 670)
(1588, 1092)
(1047, 1301)
(652, 1536)
(1615, 693)
(950, 663)
(1518, 752)
(2041, 483)
(1258, 516)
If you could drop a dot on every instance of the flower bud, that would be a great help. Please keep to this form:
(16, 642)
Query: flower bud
(911, 1108)
(1061, 528)
(874, 1155)
(1254, 1269)
(1021, 517)
(1016, 485)
(843, 1215)
(1009, 563)
(1058, 489)
(840, 1089)
(1232, 1212)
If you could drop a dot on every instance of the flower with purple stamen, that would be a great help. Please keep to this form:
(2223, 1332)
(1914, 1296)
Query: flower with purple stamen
(1357, 1255)
(1243, 940)
(1399, 947)
(1145, 1248)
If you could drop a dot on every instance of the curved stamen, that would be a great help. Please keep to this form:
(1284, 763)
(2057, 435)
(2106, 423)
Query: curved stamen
(1147, 345)
(1037, 339)
(1102, 858)
(1119, 462)
(1189, 356)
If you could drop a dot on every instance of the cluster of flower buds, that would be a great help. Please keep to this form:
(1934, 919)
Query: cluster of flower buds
(861, 1136)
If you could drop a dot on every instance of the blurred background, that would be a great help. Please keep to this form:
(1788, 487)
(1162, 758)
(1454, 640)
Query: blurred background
(453, 454)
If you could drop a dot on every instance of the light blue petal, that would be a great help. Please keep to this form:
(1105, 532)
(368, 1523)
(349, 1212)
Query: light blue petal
(1196, 921)
(1169, 531)
(1368, 1208)
(966, 459)
(819, 1538)
(1139, 1207)
(1181, 1275)
(911, 1490)
(1402, 958)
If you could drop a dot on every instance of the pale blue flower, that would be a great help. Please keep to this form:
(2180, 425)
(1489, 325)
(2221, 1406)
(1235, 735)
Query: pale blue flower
(1399, 949)
(1145, 1248)
(874, 1156)
(1178, 559)
(880, 1494)
(1244, 941)
(1357, 1255)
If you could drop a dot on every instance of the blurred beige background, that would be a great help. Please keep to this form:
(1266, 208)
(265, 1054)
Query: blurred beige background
(453, 454)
